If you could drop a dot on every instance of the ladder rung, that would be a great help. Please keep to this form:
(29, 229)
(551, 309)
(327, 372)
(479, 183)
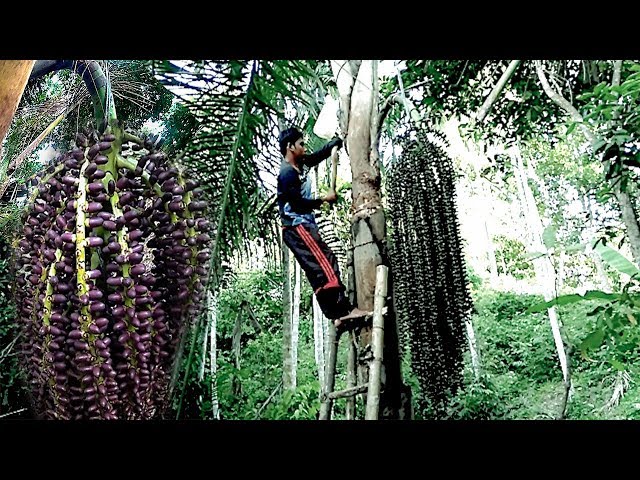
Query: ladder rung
(358, 322)
(349, 392)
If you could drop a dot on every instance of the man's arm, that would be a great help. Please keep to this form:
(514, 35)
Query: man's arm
(315, 158)
(290, 184)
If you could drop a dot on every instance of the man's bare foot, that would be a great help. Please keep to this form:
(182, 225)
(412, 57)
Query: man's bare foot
(355, 313)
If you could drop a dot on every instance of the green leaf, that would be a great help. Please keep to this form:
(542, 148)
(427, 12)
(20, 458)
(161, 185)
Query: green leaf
(573, 298)
(578, 247)
(561, 300)
(571, 128)
(534, 255)
(599, 144)
(549, 236)
(616, 260)
(593, 341)
(595, 311)
(617, 365)
(598, 295)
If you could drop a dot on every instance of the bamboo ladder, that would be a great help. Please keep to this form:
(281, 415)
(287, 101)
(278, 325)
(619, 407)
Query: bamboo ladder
(374, 359)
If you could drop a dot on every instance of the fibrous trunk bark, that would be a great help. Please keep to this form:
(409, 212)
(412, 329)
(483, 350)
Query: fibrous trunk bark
(13, 79)
(358, 109)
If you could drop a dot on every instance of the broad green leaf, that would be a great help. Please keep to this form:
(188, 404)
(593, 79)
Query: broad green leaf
(593, 341)
(616, 260)
(598, 295)
(617, 365)
(599, 144)
(573, 298)
(561, 300)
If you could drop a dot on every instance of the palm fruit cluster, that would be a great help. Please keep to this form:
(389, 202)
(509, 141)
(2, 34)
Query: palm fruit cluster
(429, 274)
(111, 263)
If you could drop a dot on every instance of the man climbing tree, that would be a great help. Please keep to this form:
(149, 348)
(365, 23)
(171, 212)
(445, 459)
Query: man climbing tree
(300, 231)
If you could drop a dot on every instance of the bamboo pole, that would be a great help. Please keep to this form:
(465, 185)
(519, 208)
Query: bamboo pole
(351, 378)
(330, 374)
(373, 394)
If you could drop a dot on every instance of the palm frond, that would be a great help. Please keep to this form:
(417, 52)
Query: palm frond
(234, 153)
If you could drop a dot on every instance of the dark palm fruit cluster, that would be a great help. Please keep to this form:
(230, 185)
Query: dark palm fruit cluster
(111, 263)
(429, 275)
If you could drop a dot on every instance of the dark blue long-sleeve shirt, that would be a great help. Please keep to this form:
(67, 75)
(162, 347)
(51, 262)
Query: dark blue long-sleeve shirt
(295, 202)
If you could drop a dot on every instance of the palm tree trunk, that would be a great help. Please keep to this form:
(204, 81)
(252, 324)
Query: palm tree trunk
(473, 348)
(600, 270)
(491, 253)
(287, 367)
(205, 340)
(352, 376)
(14, 75)
(543, 266)
(318, 339)
(295, 323)
(358, 89)
(213, 317)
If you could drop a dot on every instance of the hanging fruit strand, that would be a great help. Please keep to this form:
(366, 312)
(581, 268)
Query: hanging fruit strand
(430, 287)
(113, 260)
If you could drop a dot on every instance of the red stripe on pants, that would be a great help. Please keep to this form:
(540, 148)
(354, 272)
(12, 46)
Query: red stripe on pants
(323, 261)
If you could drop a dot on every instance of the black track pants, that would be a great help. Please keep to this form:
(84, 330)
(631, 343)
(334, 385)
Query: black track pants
(321, 267)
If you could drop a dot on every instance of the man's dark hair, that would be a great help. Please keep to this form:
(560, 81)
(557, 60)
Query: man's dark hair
(287, 136)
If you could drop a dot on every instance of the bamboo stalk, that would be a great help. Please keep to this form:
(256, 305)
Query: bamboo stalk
(330, 374)
(351, 379)
(373, 394)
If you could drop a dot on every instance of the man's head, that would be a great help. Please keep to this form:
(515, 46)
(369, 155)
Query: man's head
(292, 140)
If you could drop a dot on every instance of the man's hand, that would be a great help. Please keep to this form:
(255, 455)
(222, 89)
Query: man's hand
(330, 197)
(336, 142)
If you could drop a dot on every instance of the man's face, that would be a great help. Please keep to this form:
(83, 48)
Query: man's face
(298, 148)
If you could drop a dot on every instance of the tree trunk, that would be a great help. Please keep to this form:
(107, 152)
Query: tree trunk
(13, 80)
(352, 375)
(493, 96)
(318, 339)
(627, 211)
(236, 345)
(295, 323)
(491, 253)
(543, 266)
(561, 260)
(601, 273)
(205, 340)
(287, 367)
(358, 110)
(212, 311)
(473, 349)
